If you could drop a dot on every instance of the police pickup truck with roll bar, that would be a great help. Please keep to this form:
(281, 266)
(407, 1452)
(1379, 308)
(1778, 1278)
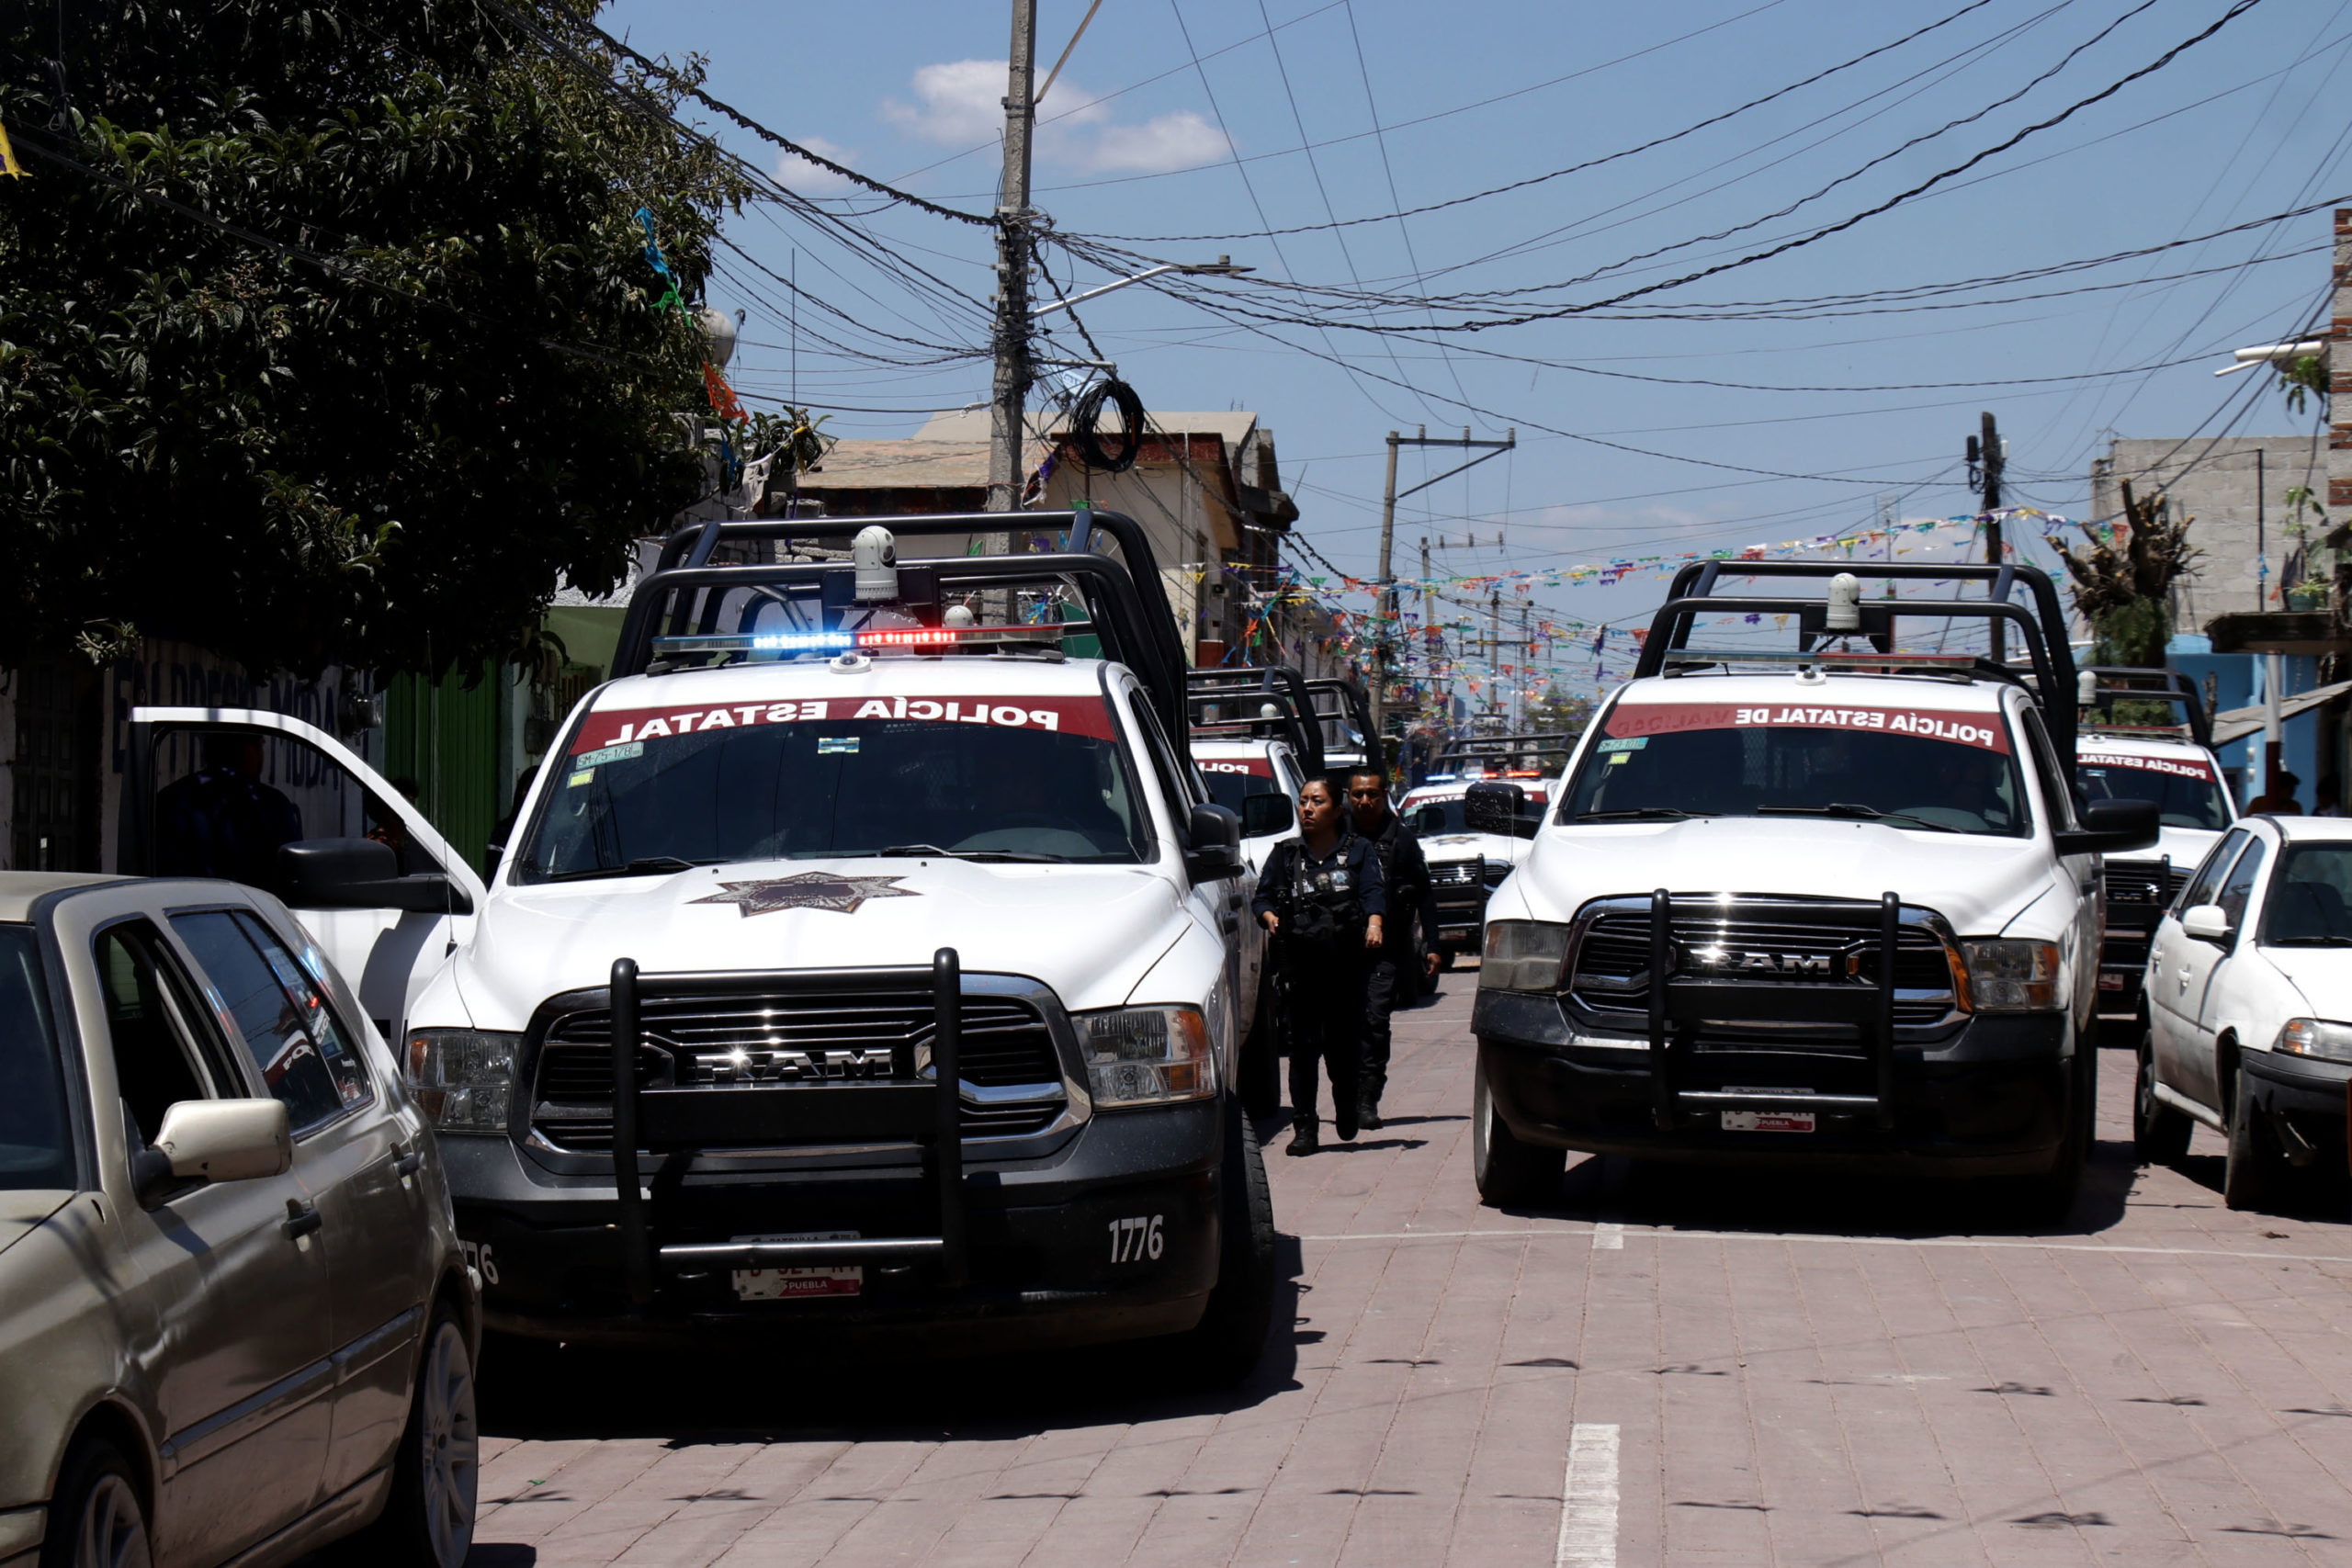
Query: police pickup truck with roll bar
(865, 963)
(1465, 864)
(1835, 905)
(2144, 735)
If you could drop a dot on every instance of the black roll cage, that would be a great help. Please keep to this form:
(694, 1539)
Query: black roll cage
(1277, 684)
(2173, 686)
(1126, 602)
(1353, 708)
(2043, 628)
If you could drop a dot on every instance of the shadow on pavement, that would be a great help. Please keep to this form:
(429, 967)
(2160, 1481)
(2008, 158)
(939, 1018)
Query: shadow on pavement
(1688, 1197)
(803, 1391)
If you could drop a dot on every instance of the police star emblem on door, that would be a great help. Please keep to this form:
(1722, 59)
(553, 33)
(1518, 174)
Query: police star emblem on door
(809, 890)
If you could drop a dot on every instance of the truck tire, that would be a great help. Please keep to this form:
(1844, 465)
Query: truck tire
(1507, 1171)
(1260, 1067)
(2250, 1180)
(2159, 1133)
(1223, 1349)
(2048, 1199)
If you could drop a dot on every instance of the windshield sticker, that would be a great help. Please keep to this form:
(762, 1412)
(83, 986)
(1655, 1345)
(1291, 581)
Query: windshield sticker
(2179, 767)
(1625, 743)
(837, 745)
(1087, 716)
(609, 754)
(1253, 767)
(809, 890)
(585, 775)
(1981, 730)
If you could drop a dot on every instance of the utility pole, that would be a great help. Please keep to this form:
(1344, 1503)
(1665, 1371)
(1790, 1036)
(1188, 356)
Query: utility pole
(1986, 458)
(1432, 640)
(1009, 402)
(1384, 656)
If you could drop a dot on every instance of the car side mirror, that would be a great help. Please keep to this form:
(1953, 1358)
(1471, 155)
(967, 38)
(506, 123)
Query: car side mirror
(1266, 814)
(2112, 826)
(216, 1140)
(2207, 922)
(360, 874)
(1493, 808)
(1214, 834)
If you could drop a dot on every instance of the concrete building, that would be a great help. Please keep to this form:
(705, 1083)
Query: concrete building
(1206, 486)
(2265, 606)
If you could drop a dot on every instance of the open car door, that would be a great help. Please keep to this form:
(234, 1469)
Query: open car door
(269, 801)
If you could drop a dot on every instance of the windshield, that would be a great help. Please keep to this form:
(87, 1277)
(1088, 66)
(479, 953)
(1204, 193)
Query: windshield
(2186, 791)
(2311, 898)
(1918, 768)
(36, 1150)
(658, 789)
(1231, 780)
(1429, 818)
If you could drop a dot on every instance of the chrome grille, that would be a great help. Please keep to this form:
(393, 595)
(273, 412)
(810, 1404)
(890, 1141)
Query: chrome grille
(2144, 888)
(1455, 872)
(788, 1037)
(1781, 941)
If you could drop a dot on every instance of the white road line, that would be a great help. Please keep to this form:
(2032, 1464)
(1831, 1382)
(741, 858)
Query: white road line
(1607, 1236)
(2012, 1244)
(1588, 1499)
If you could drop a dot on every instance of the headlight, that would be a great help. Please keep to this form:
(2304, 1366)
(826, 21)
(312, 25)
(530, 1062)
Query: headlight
(1523, 956)
(2013, 976)
(1147, 1057)
(2317, 1037)
(463, 1079)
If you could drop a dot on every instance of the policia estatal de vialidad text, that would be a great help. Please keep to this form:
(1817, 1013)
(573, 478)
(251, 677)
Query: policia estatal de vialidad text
(1340, 902)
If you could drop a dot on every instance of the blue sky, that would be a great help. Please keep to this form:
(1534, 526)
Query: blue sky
(1140, 141)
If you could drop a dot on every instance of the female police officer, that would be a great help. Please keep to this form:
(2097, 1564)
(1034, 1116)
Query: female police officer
(1323, 899)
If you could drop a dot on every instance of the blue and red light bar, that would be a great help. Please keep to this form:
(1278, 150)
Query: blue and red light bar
(871, 637)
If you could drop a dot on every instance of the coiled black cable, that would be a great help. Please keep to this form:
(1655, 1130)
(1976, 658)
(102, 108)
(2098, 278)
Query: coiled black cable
(1085, 426)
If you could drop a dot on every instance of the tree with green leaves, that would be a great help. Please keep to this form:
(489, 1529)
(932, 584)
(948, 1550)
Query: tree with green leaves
(330, 330)
(2123, 578)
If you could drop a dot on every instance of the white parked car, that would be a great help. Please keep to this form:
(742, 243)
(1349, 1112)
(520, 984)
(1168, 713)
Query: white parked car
(1833, 906)
(236, 1322)
(2143, 736)
(2249, 1007)
(867, 960)
(1465, 862)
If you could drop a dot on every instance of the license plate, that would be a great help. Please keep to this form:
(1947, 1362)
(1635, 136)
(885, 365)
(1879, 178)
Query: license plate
(813, 1279)
(1769, 1120)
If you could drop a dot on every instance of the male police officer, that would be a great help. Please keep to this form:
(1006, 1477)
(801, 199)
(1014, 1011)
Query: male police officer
(1397, 972)
(1323, 899)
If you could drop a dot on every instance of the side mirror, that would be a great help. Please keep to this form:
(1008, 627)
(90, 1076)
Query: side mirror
(216, 1140)
(2207, 922)
(2112, 826)
(360, 874)
(1215, 834)
(1266, 814)
(1493, 808)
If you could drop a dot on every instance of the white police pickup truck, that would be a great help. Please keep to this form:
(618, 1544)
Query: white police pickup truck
(864, 963)
(1835, 907)
(1465, 864)
(2144, 735)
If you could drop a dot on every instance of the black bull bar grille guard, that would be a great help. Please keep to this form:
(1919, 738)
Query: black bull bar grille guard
(1676, 1001)
(666, 1121)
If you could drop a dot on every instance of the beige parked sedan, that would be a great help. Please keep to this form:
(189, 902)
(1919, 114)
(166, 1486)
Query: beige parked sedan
(234, 1320)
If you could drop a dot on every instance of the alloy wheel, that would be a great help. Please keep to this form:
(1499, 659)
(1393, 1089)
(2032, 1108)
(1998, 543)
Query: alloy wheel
(452, 1437)
(113, 1529)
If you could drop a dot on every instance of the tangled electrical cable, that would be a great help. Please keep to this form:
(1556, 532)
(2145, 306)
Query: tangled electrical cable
(1086, 426)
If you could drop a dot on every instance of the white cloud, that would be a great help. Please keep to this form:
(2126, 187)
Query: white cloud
(962, 102)
(1179, 140)
(798, 174)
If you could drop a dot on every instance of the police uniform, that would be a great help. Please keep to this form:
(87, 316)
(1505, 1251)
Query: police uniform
(1395, 975)
(1324, 903)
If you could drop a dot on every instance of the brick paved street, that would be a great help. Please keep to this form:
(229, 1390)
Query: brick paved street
(1747, 1372)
